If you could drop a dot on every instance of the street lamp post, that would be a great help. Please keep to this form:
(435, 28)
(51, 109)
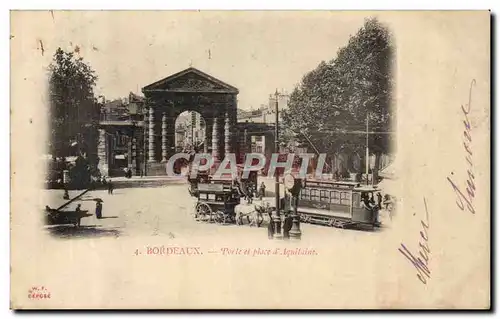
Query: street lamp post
(276, 217)
(367, 155)
(294, 186)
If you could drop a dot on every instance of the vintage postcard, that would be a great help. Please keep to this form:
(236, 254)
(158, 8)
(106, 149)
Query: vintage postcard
(250, 160)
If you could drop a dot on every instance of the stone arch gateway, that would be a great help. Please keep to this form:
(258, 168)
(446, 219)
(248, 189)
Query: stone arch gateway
(189, 90)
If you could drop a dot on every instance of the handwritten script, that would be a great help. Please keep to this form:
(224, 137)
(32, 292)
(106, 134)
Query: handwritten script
(421, 263)
(466, 198)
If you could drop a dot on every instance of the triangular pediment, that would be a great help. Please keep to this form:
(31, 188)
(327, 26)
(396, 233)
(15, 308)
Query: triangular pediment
(190, 80)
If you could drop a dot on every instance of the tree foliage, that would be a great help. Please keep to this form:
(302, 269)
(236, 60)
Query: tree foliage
(74, 112)
(332, 102)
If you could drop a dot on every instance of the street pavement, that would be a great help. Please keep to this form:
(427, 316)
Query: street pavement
(165, 211)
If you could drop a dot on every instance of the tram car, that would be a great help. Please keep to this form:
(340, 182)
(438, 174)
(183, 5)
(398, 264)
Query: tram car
(244, 185)
(338, 204)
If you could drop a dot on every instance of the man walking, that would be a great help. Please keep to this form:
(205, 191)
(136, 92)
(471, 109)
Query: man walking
(110, 187)
(262, 191)
(98, 209)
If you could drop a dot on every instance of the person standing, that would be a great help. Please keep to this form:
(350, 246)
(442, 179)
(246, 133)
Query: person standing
(379, 200)
(98, 209)
(270, 227)
(287, 225)
(249, 194)
(262, 191)
(110, 187)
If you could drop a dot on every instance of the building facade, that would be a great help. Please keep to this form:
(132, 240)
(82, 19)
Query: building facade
(266, 113)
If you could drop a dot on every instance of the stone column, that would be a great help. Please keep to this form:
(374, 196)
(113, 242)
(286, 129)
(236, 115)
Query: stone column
(247, 141)
(228, 135)
(215, 140)
(208, 134)
(145, 144)
(137, 154)
(129, 153)
(205, 138)
(151, 148)
(164, 142)
(102, 153)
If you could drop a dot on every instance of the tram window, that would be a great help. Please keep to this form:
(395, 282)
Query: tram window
(323, 196)
(335, 201)
(314, 194)
(334, 197)
(345, 202)
(304, 193)
(356, 200)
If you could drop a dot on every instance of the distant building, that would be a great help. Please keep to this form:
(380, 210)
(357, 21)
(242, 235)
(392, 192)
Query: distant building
(130, 108)
(189, 129)
(266, 112)
(121, 135)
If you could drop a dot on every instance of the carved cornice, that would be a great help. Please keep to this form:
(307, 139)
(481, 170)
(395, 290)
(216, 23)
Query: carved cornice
(190, 80)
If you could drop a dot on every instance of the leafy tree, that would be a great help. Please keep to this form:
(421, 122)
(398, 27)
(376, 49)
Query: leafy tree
(74, 111)
(333, 101)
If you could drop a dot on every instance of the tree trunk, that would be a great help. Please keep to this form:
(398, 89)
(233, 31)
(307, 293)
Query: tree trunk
(376, 167)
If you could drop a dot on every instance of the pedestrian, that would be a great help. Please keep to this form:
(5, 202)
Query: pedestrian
(78, 210)
(372, 199)
(110, 187)
(387, 201)
(270, 226)
(365, 202)
(98, 209)
(66, 194)
(249, 194)
(336, 175)
(379, 200)
(262, 191)
(287, 225)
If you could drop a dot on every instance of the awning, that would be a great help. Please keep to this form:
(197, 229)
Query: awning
(386, 185)
(388, 172)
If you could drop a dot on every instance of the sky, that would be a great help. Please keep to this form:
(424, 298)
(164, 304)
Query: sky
(257, 52)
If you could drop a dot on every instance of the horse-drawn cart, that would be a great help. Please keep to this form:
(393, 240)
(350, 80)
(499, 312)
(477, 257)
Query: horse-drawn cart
(58, 216)
(216, 202)
(54, 217)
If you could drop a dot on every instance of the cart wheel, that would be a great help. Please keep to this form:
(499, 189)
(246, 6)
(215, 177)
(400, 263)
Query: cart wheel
(220, 217)
(203, 211)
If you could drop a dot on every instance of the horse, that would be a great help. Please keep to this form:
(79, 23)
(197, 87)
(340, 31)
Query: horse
(253, 214)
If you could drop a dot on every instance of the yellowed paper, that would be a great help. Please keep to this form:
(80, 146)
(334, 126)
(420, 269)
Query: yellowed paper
(149, 251)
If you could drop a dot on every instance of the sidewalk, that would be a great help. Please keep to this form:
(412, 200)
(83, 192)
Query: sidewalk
(147, 178)
(147, 181)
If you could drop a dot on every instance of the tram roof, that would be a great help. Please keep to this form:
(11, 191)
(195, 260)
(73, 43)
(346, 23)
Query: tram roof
(333, 183)
(367, 188)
